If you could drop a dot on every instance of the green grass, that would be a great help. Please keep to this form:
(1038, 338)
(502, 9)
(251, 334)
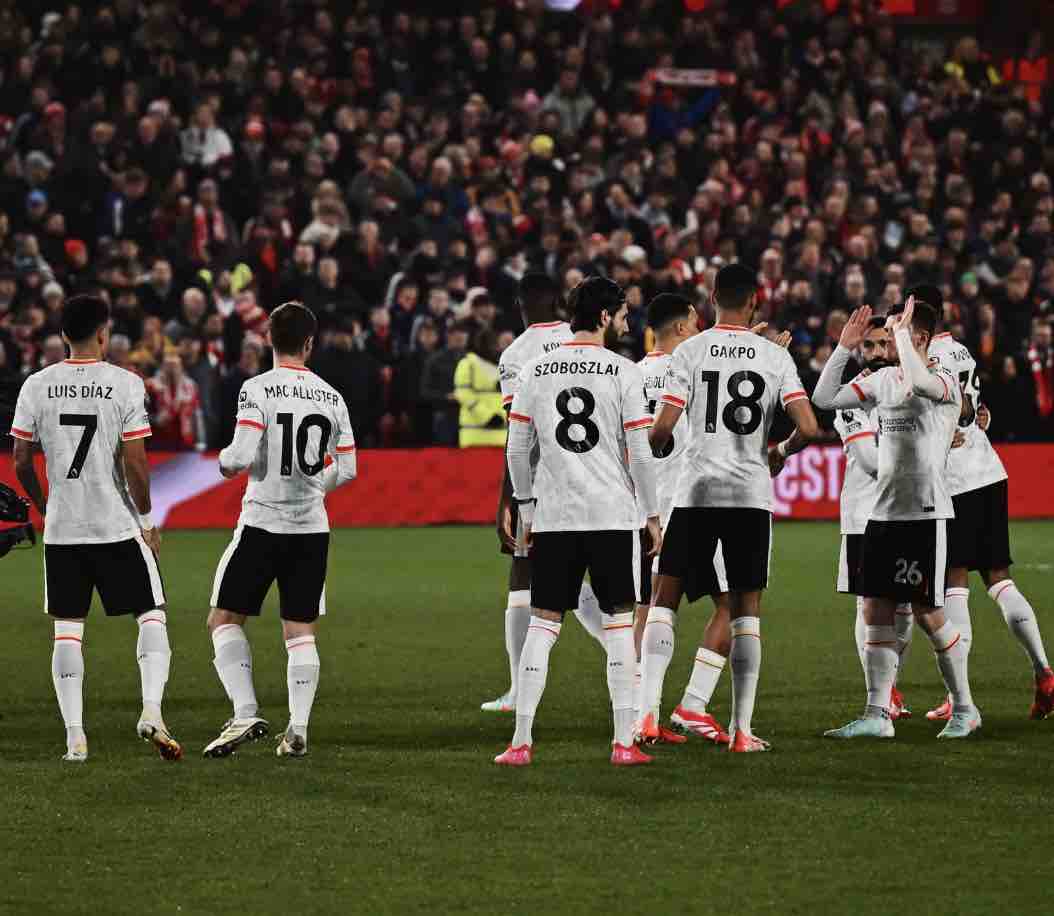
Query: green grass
(399, 809)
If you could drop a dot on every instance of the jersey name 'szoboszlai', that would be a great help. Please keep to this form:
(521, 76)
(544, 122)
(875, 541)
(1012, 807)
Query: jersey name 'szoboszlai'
(81, 411)
(729, 381)
(303, 419)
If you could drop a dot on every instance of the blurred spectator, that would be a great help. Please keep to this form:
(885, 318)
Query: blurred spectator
(341, 359)
(230, 387)
(413, 411)
(175, 407)
(437, 384)
(477, 389)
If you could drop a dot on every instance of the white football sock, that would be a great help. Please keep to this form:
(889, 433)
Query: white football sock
(517, 619)
(621, 669)
(745, 659)
(957, 610)
(880, 668)
(1021, 620)
(905, 626)
(951, 660)
(233, 662)
(656, 650)
(638, 689)
(67, 673)
(154, 656)
(534, 668)
(706, 671)
(302, 671)
(589, 614)
(860, 634)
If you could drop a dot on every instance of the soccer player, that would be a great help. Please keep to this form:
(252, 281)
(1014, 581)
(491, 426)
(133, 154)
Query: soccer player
(90, 420)
(729, 381)
(582, 406)
(858, 430)
(979, 535)
(905, 544)
(289, 421)
(539, 297)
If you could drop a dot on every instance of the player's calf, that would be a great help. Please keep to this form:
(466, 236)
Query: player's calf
(67, 674)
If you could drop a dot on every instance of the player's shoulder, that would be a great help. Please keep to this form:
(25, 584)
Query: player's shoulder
(944, 344)
(655, 360)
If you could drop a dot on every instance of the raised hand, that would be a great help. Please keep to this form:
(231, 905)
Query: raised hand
(903, 320)
(855, 328)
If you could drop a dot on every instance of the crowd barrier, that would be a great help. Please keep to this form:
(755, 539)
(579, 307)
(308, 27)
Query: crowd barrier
(400, 487)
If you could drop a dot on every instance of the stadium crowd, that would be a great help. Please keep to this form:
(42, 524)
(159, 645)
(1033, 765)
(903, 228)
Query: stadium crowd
(398, 171)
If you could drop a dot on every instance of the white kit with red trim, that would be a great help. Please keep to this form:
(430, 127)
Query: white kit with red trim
(301, 419)
(582, 401)
(975, 463)
(914, 438)
(654, 367)
(80, 411)
(537, 340)
(857, 429)
(729, 381)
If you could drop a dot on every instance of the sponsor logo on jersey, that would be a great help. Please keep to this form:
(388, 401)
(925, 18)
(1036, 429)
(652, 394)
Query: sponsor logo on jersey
(898, 424)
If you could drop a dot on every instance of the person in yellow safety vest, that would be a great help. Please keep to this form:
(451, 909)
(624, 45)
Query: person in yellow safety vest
(478, 391)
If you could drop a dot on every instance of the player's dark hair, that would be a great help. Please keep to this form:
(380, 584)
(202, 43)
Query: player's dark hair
(539, 296)
(668, 307)
(924, 318)
(877, 321)
(734, 286)
(292, 323)
(930, 294)
(591, 297)
(82, 316)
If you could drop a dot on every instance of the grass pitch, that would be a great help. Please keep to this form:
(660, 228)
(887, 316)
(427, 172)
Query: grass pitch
(398, 809)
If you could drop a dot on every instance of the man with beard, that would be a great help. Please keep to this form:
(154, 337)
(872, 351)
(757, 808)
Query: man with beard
(858, 430)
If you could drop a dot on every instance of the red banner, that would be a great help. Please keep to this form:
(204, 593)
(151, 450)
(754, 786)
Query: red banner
(460, 486)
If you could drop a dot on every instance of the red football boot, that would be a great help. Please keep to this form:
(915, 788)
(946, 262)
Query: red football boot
(942, 713)
(703, 725)
(622, 756)
(1043, 704)
(515, 756)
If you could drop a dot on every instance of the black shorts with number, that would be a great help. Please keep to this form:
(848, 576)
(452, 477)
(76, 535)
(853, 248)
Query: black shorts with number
(849, 564)
(125, 573)
(560, 559)
(717, 550)
(255, 558)
(905, 561)
(979, 535)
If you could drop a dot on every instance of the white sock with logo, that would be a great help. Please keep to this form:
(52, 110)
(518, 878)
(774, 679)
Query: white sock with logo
(589, 614)
(706, 672)
(154, 656)
(745, 659)
(302, 671)
(1021, 620)
(656, 651)
(957, 610)
(880, 668)
(951, 660)
(621, 669)
(233, 662)
(534, 669)
(67, 674)
(517, 619)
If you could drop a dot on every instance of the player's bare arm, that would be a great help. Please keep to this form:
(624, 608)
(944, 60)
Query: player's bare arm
(662, 427)
(137, 473)
(27, 474)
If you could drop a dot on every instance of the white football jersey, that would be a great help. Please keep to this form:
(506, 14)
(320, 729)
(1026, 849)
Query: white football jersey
(859, 489)
(975, 463)
(914, 436)
(80, 411)
(581, 399)
(655, 367)
(729, 382)
(537, 340)
(303, 419)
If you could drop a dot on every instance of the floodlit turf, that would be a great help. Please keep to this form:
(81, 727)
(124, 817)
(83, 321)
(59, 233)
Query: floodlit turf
(398, 809)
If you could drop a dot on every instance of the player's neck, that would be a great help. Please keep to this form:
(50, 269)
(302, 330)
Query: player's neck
(285, 361)
(542, 321)
(663, 345)
(590, 337)
(86, 352)
(730, 319)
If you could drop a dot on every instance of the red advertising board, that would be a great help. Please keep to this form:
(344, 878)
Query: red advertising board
(460, 486)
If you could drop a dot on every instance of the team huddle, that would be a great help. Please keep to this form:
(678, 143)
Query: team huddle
(653, 477)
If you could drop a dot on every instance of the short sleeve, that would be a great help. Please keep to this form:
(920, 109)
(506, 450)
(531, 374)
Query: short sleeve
(635, 413)
(522, 411)
(24, 425)
(678, 388)
(135, 424)
(250, 413)
(852, 425)
(509, 373)
(791, 388)
(952, 391)
(344, 441)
